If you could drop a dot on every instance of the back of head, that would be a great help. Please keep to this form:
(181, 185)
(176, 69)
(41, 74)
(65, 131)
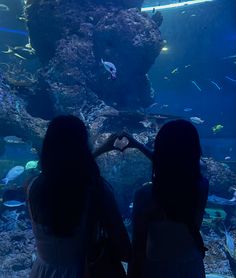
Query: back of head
(68, 168)
(176, 168)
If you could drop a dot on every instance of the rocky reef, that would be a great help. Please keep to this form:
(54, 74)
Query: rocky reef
(70, 38)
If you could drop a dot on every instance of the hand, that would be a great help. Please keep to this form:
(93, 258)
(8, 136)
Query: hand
(130, 142)
(109, 144)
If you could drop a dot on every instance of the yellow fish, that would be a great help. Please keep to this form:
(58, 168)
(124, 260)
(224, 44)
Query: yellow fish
(217, 128)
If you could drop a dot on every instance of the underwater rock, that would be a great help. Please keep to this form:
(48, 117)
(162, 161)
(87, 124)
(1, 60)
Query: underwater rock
(14, 119)
(132, 42)
(216, 260)
(221, 178)
(78, 35)
(158, 18)
(16, 248)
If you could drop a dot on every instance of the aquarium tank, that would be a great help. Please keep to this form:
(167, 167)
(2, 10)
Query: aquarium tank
(118, 65)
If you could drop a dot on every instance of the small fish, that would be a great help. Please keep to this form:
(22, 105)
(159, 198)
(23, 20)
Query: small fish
(221, 201)
(110, 67)
(165, 48)
(196, 120)
(13, 140)
(32, 164)
(33, 150)
(192, 15)
(231, 79)
(187, 109)
(166, 78)
(131, 205)
(175, 70)
(4, 8)
(217, 86)
(22, 18)
(21, 52)
(217, 128)
(13, 173)
(154, 105)
(187, 66)
(13, 204)
(227, 158)
(146, 123)
(196, 85)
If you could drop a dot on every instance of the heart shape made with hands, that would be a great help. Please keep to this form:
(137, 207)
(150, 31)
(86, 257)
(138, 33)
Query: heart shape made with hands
(121, 143)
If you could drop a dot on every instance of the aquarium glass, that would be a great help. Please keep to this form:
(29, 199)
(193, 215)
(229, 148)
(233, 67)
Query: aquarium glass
(119, 65)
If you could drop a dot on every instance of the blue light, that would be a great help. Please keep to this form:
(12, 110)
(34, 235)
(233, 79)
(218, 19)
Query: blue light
(19, 32)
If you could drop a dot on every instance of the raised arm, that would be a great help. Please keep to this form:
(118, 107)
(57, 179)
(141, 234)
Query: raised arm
(110, 145)
(133, 143)
(107, 146)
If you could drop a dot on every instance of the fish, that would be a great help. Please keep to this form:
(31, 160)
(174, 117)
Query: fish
(32, 164)
(146, 123)
(110, 67)
(217, 86)
(227, 158)
(21, 52)
(221, 201)
(4, 8)
(13, 140)
(217, 128)
(231, 79)
(13, 204)
(196, 120)
(187, 66)
(196, 85)
(175, 70)
(165, 48)
(187, 109)
(13, 173)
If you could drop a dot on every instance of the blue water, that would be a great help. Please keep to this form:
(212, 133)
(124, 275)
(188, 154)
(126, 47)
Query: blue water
(195, 72)
(199, 37)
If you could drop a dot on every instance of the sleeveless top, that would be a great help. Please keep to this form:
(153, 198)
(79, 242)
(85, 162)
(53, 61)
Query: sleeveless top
(171, 241)
(58, 256)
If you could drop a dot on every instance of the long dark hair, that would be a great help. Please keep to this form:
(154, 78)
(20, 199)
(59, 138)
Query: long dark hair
(68, 168)
(176, 170)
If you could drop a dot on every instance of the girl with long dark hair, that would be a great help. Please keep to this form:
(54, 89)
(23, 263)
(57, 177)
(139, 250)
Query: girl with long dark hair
(67, 201)
(167, 213)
